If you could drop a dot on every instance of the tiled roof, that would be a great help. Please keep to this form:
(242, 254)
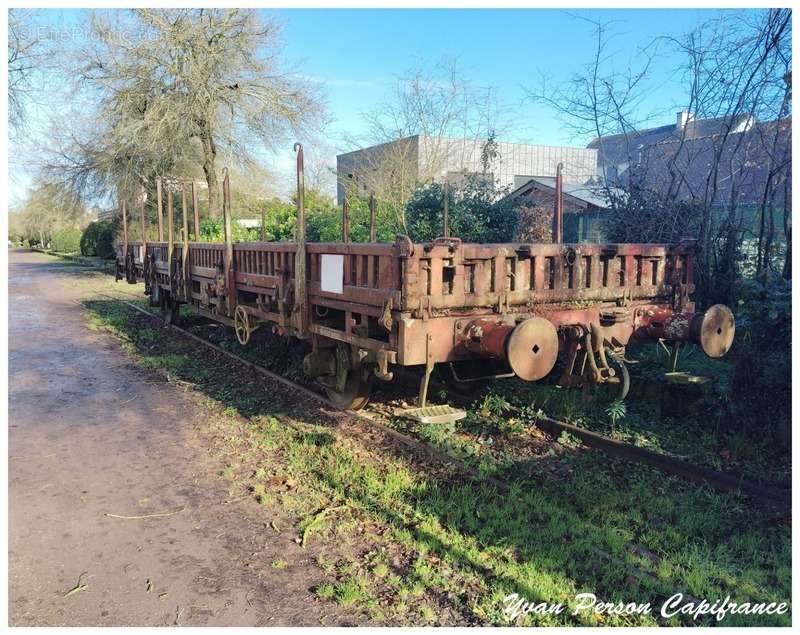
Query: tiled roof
(585, 193)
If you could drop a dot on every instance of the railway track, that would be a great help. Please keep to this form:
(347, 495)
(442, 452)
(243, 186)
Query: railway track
(761, 493)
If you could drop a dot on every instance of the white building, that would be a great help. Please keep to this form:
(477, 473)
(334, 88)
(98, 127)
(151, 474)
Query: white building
(424, 157)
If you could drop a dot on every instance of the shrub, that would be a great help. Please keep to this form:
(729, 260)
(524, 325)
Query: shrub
(323, 221)
(67, 241)
(98, 239)
(761, 384)
(535, 224)
(478, 211)
(213, 231)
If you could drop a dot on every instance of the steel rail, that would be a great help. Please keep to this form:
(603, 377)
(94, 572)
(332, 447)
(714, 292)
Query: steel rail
(426, 449)
(722, 481)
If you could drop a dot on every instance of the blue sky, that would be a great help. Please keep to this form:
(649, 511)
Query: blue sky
(357, 54)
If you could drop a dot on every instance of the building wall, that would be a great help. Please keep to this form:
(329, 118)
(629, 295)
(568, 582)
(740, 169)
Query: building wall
(363, 164)
(516, 163)
(440, 158)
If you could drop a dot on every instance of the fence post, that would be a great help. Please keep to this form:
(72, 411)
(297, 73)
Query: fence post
(170, 243)
(125, 228)
(446, 209)
(558, 207)
(143, 221)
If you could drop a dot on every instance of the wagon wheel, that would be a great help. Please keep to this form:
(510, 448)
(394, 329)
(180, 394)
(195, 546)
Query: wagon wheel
(170, 309)
(155, 295)
(242, 325)
(351, 387)
(456, 376)
(356, 391)
(130, 268)
(618, 390)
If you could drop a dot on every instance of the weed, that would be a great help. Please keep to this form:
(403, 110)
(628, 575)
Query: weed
(351, 591)
(326, 591)
(328, 566)
(426, 613)
(616, 411)
(229, 473)
(380, 570)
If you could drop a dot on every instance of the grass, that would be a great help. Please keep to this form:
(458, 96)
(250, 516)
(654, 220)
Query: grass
(420, 546)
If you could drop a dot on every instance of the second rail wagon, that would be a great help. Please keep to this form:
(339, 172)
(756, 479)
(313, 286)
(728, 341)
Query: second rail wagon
(472, 311)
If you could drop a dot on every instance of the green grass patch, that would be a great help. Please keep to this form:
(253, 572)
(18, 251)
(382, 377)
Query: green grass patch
(439, 545)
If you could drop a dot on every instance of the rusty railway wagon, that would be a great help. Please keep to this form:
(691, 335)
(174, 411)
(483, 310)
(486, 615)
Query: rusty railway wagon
(474, 312)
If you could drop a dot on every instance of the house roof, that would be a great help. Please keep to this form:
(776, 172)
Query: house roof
(582, 194)
(619, 148)
(745, 165)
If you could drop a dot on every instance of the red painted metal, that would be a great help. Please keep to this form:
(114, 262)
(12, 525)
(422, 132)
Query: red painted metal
(445, 301)
(558, 207)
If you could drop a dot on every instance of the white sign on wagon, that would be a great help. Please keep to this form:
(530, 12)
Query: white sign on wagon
(332, 273)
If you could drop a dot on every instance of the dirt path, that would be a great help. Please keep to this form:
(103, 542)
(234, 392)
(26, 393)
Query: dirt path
(90, 435)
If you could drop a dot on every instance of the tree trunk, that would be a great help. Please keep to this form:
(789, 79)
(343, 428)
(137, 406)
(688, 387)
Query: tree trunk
(210, 171)
(787, 230)
(763, 226)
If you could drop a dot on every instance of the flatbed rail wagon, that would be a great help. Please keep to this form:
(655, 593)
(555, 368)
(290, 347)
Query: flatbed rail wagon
(472, 311)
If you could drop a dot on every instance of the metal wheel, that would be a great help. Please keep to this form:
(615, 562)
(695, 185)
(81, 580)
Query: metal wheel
(242, 325)
(356, 392)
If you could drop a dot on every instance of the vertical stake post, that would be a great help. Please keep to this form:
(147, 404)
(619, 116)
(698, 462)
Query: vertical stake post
(373, 234)
(300, 255)
(345, 220)
(446, 233)
(143, 222)
(185, 250)
(125, 228)
(230, 283)
(160, 206)
(558, 210)
(196, 208)
(170, 242)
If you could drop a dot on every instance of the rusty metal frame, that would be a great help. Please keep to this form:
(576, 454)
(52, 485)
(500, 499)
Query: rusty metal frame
(417, 304)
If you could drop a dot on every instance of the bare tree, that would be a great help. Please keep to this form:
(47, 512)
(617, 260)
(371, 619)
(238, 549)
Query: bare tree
(600, 101)
(435, 118)
(696, 172)
(737, 66)
(26, 52)
(184, 86)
